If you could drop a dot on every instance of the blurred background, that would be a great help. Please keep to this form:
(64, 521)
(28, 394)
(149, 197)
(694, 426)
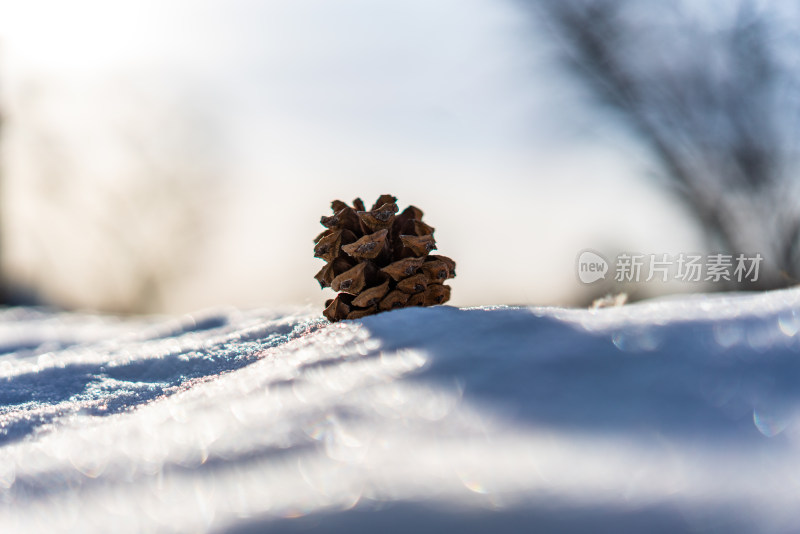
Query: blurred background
(171, 156)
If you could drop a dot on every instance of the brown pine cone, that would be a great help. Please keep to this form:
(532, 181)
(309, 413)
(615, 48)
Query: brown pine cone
(378, 260)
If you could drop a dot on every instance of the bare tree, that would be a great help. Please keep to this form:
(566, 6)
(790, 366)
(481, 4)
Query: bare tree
(712, 89)
(117, 210)
(3, 293)
(7, 296)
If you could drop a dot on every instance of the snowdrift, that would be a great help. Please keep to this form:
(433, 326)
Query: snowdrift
(678, 415)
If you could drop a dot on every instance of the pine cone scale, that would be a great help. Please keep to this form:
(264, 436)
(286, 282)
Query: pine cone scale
(371, 296)
(419, 245)
(380, 218)
(413, 284)
(403, 268)
(353, 280)
(368, 247)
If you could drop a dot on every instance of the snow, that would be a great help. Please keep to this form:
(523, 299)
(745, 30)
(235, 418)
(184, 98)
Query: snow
(675, 415)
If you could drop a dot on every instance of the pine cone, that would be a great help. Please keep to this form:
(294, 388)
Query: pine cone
(378, 260)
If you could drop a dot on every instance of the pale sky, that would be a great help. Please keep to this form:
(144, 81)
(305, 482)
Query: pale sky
(452, 106)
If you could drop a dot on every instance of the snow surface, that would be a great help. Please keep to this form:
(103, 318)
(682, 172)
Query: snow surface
(677, 415)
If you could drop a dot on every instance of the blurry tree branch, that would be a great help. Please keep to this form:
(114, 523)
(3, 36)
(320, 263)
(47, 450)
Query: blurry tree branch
(5, 295)
(118, 208)
(714, 96)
